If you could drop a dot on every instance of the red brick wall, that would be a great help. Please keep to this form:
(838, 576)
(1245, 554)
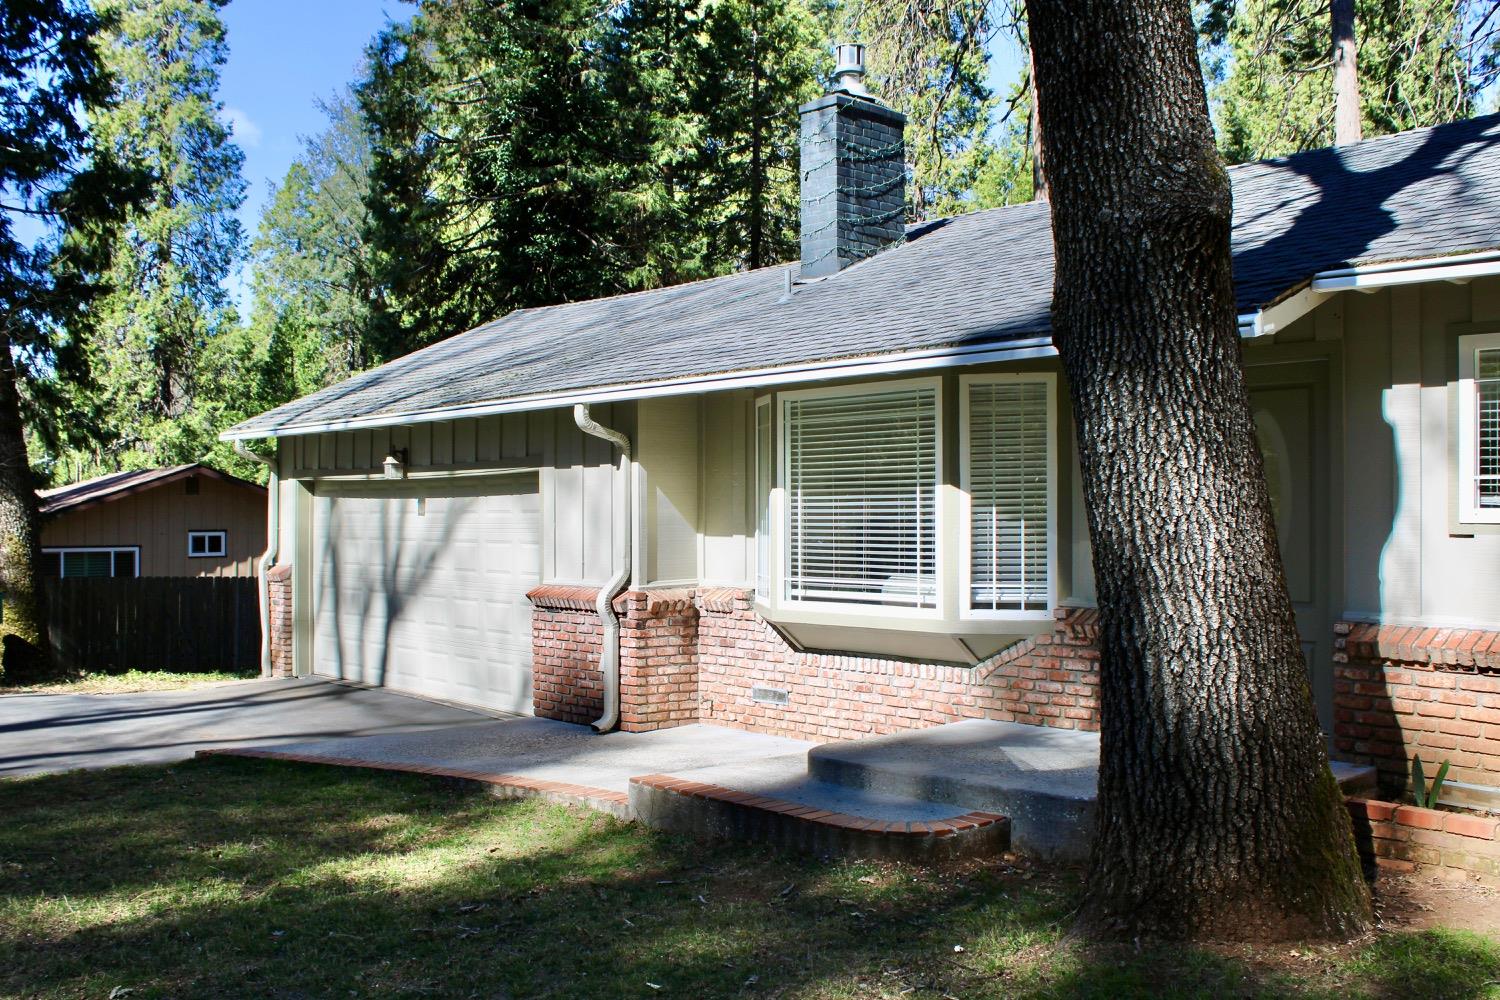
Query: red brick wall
(658, 659)
(1051, 680)
(1403, 691)
(1399, 838)
(690, 656)
(279, 583)
(565, 645)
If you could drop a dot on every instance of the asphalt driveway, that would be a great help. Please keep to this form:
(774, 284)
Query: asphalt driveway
(60, 732)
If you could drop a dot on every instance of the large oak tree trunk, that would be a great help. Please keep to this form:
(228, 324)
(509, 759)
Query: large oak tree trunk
(1218, 816)
(24, 647)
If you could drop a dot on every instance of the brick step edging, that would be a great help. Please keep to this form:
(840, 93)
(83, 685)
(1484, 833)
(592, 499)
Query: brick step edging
(682, 806)
(506, 786)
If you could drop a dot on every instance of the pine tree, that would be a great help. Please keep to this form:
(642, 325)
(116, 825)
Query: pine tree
(168, 303)
(312, 289)
(495, 166)
(930, 62)
(60, 195)
(1421, 62)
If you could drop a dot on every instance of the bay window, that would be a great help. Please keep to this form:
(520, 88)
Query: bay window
(861, 474)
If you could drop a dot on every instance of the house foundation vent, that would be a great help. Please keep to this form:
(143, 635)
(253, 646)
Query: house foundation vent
(770, 696)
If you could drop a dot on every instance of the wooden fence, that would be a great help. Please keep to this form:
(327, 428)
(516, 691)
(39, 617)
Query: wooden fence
(155, 623)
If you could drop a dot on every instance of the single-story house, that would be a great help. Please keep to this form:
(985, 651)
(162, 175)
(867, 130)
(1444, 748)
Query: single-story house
(840, 496)
(184, 520)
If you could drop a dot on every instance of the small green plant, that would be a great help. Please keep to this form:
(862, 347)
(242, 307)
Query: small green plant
(1427, 797)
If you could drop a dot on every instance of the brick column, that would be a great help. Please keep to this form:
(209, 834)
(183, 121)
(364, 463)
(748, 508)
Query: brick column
(279, 583)
(566, 641)
(658, 659)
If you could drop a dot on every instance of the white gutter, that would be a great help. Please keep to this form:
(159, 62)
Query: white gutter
(273, 548)
(883, 364)
(1457, 268)
(609, 657)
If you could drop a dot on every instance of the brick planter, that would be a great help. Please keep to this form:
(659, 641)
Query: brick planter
(1401, 838)
(1400, 692)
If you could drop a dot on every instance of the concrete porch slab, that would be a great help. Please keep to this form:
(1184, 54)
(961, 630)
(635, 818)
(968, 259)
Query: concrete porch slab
(1044, 779)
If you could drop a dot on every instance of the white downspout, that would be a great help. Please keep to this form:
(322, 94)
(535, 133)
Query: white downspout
(273, 549)
(609, 657)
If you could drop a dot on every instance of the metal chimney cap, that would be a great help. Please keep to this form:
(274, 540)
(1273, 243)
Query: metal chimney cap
(849, 69)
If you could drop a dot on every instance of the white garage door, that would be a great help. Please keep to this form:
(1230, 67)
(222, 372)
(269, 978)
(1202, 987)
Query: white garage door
(422, 587)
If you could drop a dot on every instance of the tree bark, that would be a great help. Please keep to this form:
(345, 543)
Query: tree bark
(24, 647)
(1218, 815)
(1347, 127)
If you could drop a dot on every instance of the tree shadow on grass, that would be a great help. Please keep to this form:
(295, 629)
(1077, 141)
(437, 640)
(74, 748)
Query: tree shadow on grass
(255, 878)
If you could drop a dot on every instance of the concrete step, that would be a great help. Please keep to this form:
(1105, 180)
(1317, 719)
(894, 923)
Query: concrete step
(1355, 779)
(774, 800)
(1042, 779)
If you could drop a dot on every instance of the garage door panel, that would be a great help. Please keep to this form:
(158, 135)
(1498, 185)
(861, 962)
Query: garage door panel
(421, 587)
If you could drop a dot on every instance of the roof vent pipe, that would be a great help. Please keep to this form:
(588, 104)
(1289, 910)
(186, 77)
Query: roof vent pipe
(609, 657)
(849, 69)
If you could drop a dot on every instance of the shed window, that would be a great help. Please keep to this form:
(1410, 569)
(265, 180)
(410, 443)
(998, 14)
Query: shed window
(1479, 428)
(72, 563)
(206, 543)
(861, 478)
(1008, 477)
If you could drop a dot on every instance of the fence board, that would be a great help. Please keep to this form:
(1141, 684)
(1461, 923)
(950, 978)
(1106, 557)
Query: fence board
(178, 624)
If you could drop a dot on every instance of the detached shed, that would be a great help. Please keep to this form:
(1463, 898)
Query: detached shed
(184, 520)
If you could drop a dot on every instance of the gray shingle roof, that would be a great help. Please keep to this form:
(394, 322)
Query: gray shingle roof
(974, 279)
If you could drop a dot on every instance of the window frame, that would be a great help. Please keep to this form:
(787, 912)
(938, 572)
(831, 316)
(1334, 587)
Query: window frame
(1469, 511)
(781, 512)
(209, 533)
(966, 610)
(62, 550)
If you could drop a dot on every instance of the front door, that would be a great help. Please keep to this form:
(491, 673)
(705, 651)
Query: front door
(1290, 404)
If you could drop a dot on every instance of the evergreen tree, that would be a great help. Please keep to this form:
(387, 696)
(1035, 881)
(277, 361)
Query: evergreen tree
(930, 61)
(495, 166)
(168, 305)
(59, 196)
(1421, 62)
(312, 290)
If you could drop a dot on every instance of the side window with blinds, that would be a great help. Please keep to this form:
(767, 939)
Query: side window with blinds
(1007, 472)
(1479, 428)
(861, 481)
(763, 482)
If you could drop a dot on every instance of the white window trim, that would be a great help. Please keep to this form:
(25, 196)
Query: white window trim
(966, 558)
(64, 549)
(1469, 511)
(765, 500)
(780, 509)
(220, 534)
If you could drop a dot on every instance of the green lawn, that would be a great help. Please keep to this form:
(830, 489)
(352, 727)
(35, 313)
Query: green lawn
(239, 878)
(128, 682)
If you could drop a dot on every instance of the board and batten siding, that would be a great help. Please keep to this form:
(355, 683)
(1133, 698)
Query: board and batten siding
(581, 515)
(158, 520)
(1406, 558)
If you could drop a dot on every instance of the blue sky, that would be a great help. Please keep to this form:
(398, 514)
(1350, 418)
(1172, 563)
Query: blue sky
(284, 55)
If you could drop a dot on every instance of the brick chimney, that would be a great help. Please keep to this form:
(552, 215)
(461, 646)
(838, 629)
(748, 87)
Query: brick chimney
(853, 172)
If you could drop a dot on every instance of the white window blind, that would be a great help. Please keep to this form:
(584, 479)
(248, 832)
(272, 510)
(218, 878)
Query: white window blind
(1008, 480)
(861, 483)
(1487, 436)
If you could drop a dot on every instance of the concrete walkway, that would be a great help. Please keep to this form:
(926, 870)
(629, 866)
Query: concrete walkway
(61, 732)
(544, 750)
